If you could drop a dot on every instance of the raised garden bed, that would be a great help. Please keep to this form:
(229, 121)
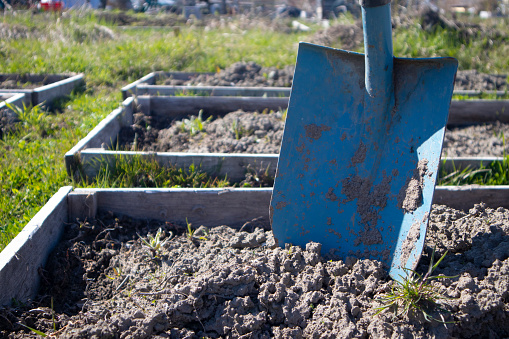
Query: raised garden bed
(228, 278)
(177, 83)
(98, 144)
(39, 89)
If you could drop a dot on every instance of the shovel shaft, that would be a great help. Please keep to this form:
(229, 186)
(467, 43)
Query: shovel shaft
(377, 26)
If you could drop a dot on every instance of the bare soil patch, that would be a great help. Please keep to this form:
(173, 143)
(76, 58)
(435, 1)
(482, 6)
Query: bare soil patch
(253, 75)
(255, 132)
(226, 283)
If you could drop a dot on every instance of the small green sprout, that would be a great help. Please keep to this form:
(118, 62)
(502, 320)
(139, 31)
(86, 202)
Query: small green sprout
(239, 130)
(190, 231)
(154, 244)
(194, 125)
(414, 293)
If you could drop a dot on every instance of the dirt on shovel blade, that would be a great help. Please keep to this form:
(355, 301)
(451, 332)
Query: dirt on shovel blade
(102, 282)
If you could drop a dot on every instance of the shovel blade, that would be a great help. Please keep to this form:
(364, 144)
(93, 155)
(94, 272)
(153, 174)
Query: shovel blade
(358, 181)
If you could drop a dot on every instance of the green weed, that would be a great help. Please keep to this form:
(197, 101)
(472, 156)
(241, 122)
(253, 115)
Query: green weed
(415, 293)
(154, 243)
(496, 173)
(121, 171)
(195, 124)
(238, 130)
(190, 231)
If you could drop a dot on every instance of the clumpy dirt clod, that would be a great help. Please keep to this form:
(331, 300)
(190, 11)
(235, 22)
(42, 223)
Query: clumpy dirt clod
(234, 284)
(410, 195)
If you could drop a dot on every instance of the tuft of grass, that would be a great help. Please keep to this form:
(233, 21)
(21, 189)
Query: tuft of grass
(154, 243)
(122, 171)
(190, 231)
(415, 293)
(195, 124)
(496, 173)
(239, 130)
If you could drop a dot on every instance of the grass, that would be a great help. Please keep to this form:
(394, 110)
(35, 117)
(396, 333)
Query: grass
(136, 171)
(415, 293)
(496, 173)
(31, 158)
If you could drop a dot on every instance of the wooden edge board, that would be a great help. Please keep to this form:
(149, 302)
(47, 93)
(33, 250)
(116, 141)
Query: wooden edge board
(465, 197)
(17, 99)
(130, 89)
(213, 90)
(57, 89)
(151, 89)
(460, 113)
(188, 75)
(203, 206)
(21, 259)
(28, 251)
(466, 112)
(183, 106)
(104, 133)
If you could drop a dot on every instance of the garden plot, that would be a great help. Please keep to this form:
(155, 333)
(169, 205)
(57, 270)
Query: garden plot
(250, 79)
(223, 275)
(242, 143)
(39, 89)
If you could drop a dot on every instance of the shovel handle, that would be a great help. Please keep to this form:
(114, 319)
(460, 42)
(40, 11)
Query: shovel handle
(376, 22)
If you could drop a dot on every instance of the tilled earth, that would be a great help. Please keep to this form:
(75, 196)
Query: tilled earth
(252, 74)
(229, 283)
(248, 132)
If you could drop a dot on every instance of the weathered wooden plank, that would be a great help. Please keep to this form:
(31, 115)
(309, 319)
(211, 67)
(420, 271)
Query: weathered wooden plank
(465, 197)
(15, 99)
(466, 112)
(104, 133)
(131, 88)
(183, 106)
(58, 89)
(234, 206)
(21, 259)
(151, 78)
(146, 89)
(461, 112)
(210, 207)
(276, 92)
(27, 95)
(233, 166)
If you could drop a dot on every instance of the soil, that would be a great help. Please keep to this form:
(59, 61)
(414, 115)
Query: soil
(241, 74)
(231, 283)
(236, 132)
(252, 132)
(252, 74)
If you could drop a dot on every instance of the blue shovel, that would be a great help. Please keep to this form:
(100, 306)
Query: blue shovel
(361, 148)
